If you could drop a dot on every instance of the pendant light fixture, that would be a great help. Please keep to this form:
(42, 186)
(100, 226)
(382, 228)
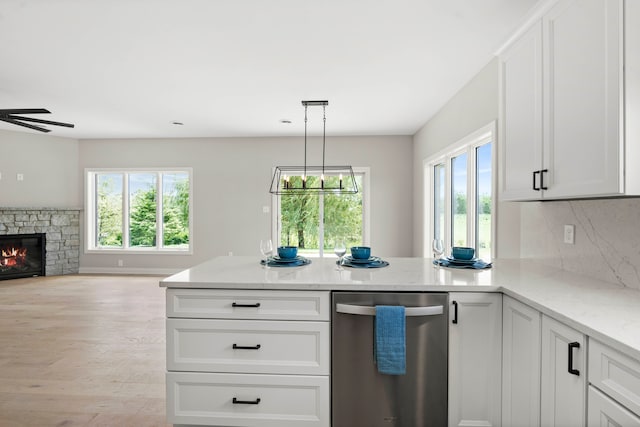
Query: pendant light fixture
(314, 179)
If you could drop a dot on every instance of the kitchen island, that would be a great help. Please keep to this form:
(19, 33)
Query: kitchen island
(605, 313)
(604, 310)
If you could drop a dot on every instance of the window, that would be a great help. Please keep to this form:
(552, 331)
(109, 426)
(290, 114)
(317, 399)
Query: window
(459, 197)
(484, 200)
(459, 194)
(313, 222)
(138, 210)
(439, 181)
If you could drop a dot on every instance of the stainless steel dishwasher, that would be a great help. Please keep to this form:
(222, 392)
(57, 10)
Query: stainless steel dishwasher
(360, 395)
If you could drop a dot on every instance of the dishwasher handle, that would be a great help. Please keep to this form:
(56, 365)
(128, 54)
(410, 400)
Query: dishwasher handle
(363, 310)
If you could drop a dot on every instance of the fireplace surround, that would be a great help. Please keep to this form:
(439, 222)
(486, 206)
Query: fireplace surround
(61, 227)
(22, 255)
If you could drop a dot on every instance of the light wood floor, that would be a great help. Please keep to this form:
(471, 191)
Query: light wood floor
(82, 351)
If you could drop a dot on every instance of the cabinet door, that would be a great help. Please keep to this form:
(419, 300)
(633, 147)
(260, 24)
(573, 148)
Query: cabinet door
(605, 412)
(521, 113)
(475, 343)
(582, 102)
(520, 364)
(563, 381)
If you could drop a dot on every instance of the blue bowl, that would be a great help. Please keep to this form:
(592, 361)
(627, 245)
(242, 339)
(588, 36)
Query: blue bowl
(287, 252)
(361, 252)
(459, 252)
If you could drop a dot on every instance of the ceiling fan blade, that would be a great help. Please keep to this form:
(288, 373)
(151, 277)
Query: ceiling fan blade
(45, 122)
(15, 122)
(24, 111)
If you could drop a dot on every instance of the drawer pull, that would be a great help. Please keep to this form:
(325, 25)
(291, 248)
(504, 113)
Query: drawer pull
(245, 402)
(573, 345)
(235, 304)
(246, 347)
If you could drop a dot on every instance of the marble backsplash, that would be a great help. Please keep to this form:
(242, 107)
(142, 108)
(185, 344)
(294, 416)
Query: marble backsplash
(607, 237)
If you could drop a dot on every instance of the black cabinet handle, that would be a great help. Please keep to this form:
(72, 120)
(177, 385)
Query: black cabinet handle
(246, 347)
(542, 172)
(235, 304)
(534, 181)
(455, 312)
(245, 402)
(573, 345)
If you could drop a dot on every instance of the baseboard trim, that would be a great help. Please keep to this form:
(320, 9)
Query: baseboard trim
(125, 270)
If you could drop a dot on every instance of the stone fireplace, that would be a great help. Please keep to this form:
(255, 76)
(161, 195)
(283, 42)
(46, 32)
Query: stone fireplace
(61, 228)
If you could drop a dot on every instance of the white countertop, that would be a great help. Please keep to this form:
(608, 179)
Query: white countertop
(607, 312)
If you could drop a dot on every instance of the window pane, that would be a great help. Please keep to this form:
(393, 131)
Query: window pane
(483, 191)
(109, 210)
(175, 210)
(142, 210)
(438, 201)
(299, 216)
(343, 216)
(459, 196)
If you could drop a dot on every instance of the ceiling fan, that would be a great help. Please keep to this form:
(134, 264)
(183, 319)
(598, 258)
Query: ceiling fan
(10, 116)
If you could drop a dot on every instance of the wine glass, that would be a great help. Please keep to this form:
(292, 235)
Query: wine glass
(266, 247)
(438, 249)
(339, 249)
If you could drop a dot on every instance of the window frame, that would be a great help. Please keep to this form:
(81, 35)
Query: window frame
(91, 212)
(468, 145)
(276, 223)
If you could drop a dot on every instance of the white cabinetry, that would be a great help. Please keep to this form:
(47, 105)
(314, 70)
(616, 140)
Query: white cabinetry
(248, 358)
(563, 381)
(521, 113)
(614, 390)
(475, 343)
(566, 85)
(520, 364)
(605, 412)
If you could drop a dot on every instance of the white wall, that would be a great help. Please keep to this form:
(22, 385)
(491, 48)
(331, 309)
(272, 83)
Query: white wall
(472, 107)
(231, 178)
(49, 165)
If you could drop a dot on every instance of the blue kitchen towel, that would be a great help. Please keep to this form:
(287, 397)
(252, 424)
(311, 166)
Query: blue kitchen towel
(390, 345)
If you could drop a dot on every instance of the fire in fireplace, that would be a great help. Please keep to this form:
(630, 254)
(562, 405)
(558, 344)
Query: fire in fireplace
(22, 255)
(13, 257)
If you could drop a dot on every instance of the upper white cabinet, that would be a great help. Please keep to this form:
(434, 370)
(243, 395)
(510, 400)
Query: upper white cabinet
(569, 85)
(521, 112)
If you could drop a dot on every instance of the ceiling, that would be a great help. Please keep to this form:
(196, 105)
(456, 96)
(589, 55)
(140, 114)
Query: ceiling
(237, 68)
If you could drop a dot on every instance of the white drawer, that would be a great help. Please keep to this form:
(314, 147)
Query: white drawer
(604, 412)
(275, 347)
(284, 400)
(248, 304)
(615, 374)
